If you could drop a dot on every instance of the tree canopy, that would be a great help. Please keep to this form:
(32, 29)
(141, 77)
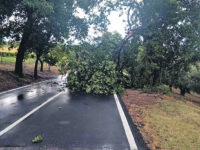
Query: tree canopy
(162, 42)
(57, 20)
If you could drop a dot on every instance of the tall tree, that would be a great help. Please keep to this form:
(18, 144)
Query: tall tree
(35, 13)
(58, 18)
(163, 38)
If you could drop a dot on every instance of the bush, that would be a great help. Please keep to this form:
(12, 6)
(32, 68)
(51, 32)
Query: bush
(28, 55)
(195, 84)
(161, 89)
(14, 54)
(8, 54)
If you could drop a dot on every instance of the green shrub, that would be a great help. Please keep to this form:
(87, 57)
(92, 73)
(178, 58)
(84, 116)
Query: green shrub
(14, 54)
(28, 55)
(8, 54)
(161, 89)
(195, 84)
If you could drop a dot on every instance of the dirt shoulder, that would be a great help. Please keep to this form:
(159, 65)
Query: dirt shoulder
(161, 119)
(8, 80)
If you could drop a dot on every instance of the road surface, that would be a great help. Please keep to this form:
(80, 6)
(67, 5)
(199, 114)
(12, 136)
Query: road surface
(65, 120)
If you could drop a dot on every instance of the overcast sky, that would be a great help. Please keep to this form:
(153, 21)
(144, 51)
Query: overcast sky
(117, 23)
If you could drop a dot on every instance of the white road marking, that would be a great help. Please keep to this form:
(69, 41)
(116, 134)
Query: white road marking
(28, 114)
(126, 126)
(25, 86)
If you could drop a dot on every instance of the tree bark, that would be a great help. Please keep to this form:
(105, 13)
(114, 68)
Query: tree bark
(36, 66)
(170, 87)
(41, 62)
(120, 47)
(22, 46)
(182, 90)
(20, 57)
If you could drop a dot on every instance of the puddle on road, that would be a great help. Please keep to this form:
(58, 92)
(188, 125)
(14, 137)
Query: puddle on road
(8, 101)
(33, 91)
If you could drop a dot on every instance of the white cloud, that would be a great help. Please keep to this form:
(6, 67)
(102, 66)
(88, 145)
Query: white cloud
(117, 23)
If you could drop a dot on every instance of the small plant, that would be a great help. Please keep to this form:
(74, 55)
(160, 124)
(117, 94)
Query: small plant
(161, 89)
(37, 139)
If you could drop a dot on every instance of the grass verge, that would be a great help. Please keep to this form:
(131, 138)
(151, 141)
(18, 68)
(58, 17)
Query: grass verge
(12, 60)
(176, 125)
(165, 122)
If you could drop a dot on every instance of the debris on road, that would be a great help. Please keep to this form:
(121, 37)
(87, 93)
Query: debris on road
(37, 139)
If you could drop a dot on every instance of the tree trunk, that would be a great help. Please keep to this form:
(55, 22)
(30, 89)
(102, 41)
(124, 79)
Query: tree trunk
(182, 90)
(1, 57)
(41, 62)
(19, 58)
(170, 87)
(22, 47)
(120, 48)
(36, 66)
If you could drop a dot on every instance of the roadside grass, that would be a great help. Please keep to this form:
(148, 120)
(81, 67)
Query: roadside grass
(169, 122)
(174, 125)
(12, 60)
(161, 89)
(9, 80)
(9, 60)
(8, 64)
(29, 61)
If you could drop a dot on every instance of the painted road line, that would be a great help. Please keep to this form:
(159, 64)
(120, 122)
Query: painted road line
(126, 126)
(25, 86)
(28, 114)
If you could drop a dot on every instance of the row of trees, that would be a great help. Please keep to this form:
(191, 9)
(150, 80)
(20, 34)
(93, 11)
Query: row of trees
(162, 47)
(164, 43)
(40, 24)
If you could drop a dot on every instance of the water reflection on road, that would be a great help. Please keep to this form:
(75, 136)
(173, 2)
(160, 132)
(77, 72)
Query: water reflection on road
(19, 102)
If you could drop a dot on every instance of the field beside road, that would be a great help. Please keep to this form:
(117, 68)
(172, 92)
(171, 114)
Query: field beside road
(8, 80)
(166, 121)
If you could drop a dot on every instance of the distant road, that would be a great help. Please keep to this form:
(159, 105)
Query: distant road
(65, 120)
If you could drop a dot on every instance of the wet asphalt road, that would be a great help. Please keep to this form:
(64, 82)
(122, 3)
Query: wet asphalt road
(71, 121)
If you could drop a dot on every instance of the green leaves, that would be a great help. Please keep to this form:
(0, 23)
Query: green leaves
(37, 139)
(103, 80)
(93, 78)
(39, 8)
(91, 71)
(166, 44)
